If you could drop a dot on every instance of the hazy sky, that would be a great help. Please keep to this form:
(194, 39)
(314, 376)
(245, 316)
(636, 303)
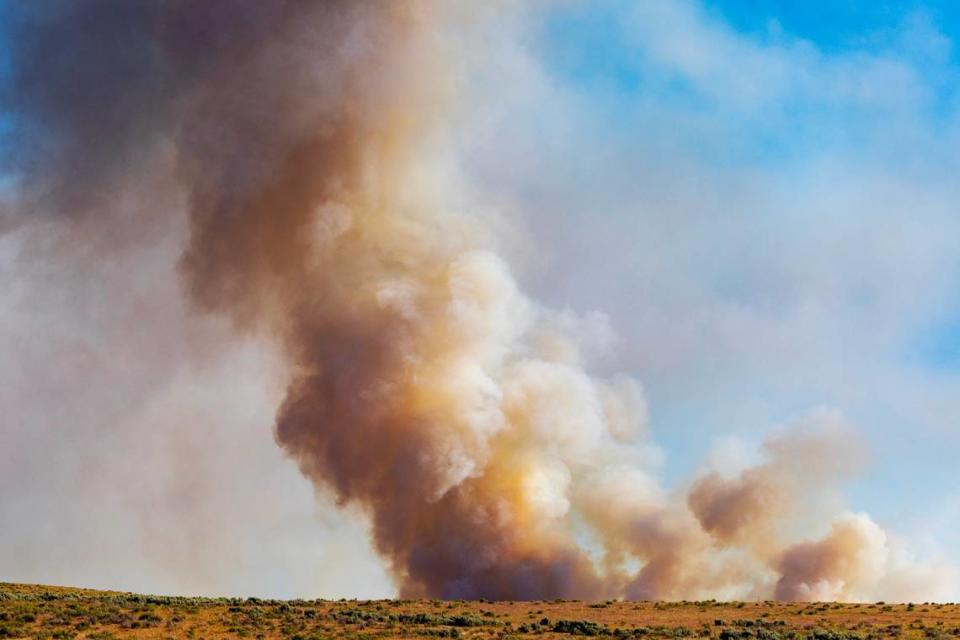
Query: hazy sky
(758, 198)
(763, 203)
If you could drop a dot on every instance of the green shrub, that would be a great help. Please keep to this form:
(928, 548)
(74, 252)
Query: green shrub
(578, 627)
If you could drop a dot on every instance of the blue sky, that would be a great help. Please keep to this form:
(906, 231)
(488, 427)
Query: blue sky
(832, 26)
(589, 47)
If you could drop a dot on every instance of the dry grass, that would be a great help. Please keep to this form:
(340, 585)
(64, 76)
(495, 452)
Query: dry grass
(30, 611)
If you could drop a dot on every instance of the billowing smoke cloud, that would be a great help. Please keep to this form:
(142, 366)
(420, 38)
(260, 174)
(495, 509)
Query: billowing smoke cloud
(308, 145)
(745, 510)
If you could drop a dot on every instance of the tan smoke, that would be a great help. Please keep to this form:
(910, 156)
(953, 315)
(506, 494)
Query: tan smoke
(310, 141)
(802, 465)
(852, 555)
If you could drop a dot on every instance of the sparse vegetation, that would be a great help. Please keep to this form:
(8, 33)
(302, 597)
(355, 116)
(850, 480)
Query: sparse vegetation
(54, 613)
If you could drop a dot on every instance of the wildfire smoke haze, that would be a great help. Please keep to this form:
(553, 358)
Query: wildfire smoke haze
(306, 159)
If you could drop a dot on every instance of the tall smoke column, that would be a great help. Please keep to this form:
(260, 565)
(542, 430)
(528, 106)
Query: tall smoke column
(324, 226)
(308, 139)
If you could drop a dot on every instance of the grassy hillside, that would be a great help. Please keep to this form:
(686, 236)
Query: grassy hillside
(30, 611)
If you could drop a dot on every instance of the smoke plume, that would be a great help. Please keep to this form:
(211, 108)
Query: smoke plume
(308, 145)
